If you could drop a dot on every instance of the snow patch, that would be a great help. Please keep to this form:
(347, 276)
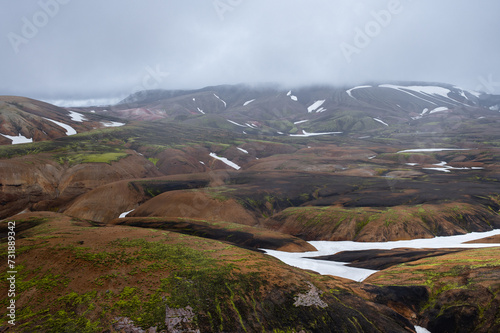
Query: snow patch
(381, 121)
(112, 124)
(443, 166)
(424, 150)
(316, 105)
(248, 102)
(440, 109)
(201, 111)
(419, 329)
(75, 116)
(243, 150)
(225, 105)
(16, 140)
(405, 90)
(226, 161)
(305, 134)
(235, 123)
(292, 97)
(300, 122)
(358, 274)
(69, 130)
(122, 215)
(349, 92)
(472, 92)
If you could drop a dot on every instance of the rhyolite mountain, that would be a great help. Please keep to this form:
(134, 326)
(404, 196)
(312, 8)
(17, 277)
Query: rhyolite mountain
(149, 215)
(27, 120)
(274, 111)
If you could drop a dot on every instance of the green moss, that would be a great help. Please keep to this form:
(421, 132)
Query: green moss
(92, 158)
(153, 160)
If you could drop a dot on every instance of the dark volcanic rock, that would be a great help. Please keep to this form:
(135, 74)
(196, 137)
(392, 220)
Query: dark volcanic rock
(407, 301)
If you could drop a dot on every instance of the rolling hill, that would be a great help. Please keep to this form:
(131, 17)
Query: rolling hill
(134, 215)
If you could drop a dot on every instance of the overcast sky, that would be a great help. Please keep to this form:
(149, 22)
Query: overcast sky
(90, 49)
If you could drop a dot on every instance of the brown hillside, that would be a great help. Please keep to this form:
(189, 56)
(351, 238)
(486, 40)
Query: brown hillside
(38, 182)
(383, 224)
(195, 205)
(75, 276)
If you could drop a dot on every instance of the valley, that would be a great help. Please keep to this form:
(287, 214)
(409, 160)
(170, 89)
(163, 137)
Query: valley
(158, 214)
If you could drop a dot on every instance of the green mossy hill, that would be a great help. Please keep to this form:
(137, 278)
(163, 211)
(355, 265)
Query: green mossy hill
(464, 289)
(383, 224)
(97, 279)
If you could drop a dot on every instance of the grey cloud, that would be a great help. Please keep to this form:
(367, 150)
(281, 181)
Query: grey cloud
(105, 49)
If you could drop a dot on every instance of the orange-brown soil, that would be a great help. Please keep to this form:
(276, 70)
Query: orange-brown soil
(74, 275)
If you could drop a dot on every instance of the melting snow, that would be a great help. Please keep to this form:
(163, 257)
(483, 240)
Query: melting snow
(202, 162)
(446, 168)
(17, 139)
(419, 329)
(316, 105)
(300, 122)
(472, 92)
(235, 123)
(294, 98)
(380, 121)
(358, 274)
(112, 124)
(225, 105)
(428, 150)
(305, 134)
(440, 109)
(405, 90)
(243, 150)
(75, 116)
(248, 102)
(69, 130)
(226, 161)
(122, 215)
(201, 110)
(349, 92)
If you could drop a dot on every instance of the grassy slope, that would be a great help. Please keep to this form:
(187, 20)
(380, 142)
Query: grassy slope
(76, 277)
(464, 289)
